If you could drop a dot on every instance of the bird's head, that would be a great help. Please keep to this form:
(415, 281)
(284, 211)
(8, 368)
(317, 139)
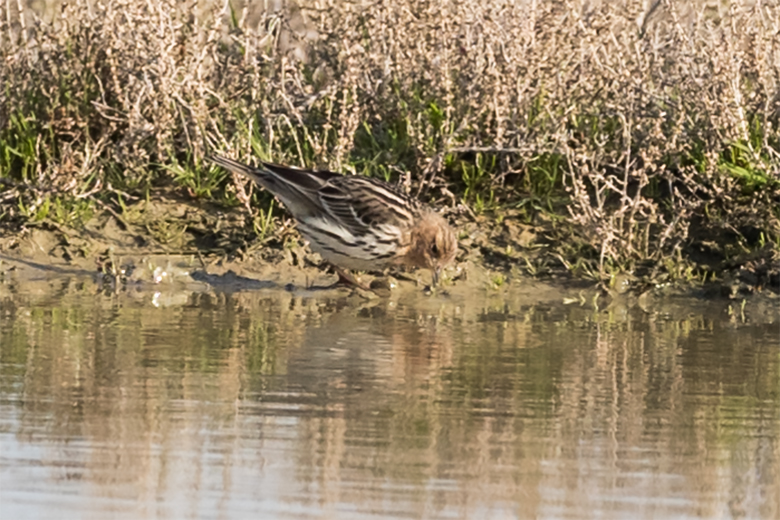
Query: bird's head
(433, 244)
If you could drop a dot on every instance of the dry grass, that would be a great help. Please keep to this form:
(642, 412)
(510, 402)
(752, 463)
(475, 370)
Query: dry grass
(653, 130)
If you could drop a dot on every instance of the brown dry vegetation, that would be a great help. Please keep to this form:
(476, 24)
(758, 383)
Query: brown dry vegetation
(633, 138)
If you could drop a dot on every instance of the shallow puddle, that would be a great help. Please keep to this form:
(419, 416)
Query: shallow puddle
(187, 401)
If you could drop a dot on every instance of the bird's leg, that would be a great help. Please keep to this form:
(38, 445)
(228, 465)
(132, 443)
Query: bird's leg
(345, 278)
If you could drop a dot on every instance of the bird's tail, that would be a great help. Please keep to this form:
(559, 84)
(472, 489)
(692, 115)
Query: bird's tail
(297, 189)
(256, 174)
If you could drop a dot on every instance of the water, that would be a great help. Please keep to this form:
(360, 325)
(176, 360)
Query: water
(193, 403)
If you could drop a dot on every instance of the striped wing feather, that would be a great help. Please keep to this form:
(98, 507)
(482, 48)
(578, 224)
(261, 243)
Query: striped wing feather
(357, 203)
(361, 204)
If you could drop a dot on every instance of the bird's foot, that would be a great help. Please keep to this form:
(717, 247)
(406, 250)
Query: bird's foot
(347, 279)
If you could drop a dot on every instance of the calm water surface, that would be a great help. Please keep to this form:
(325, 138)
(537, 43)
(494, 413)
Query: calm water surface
(480, 404)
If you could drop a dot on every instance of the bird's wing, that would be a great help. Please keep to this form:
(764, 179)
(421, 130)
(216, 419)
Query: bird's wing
(361, 204)
(358, 204)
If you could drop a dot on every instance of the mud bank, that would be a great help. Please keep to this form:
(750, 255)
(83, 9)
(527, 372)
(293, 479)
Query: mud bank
(175, 249)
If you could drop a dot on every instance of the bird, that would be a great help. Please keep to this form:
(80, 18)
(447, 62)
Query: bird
(356, 223)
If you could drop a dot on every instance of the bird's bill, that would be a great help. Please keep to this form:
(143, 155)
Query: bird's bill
(436, 273)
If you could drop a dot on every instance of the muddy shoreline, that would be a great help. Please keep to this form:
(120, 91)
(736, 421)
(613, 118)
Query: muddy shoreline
(209, 249)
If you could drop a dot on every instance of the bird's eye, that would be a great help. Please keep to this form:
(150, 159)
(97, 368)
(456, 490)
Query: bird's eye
(434, 249)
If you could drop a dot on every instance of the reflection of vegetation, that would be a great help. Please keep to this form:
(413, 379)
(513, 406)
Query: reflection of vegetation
(486, 392)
